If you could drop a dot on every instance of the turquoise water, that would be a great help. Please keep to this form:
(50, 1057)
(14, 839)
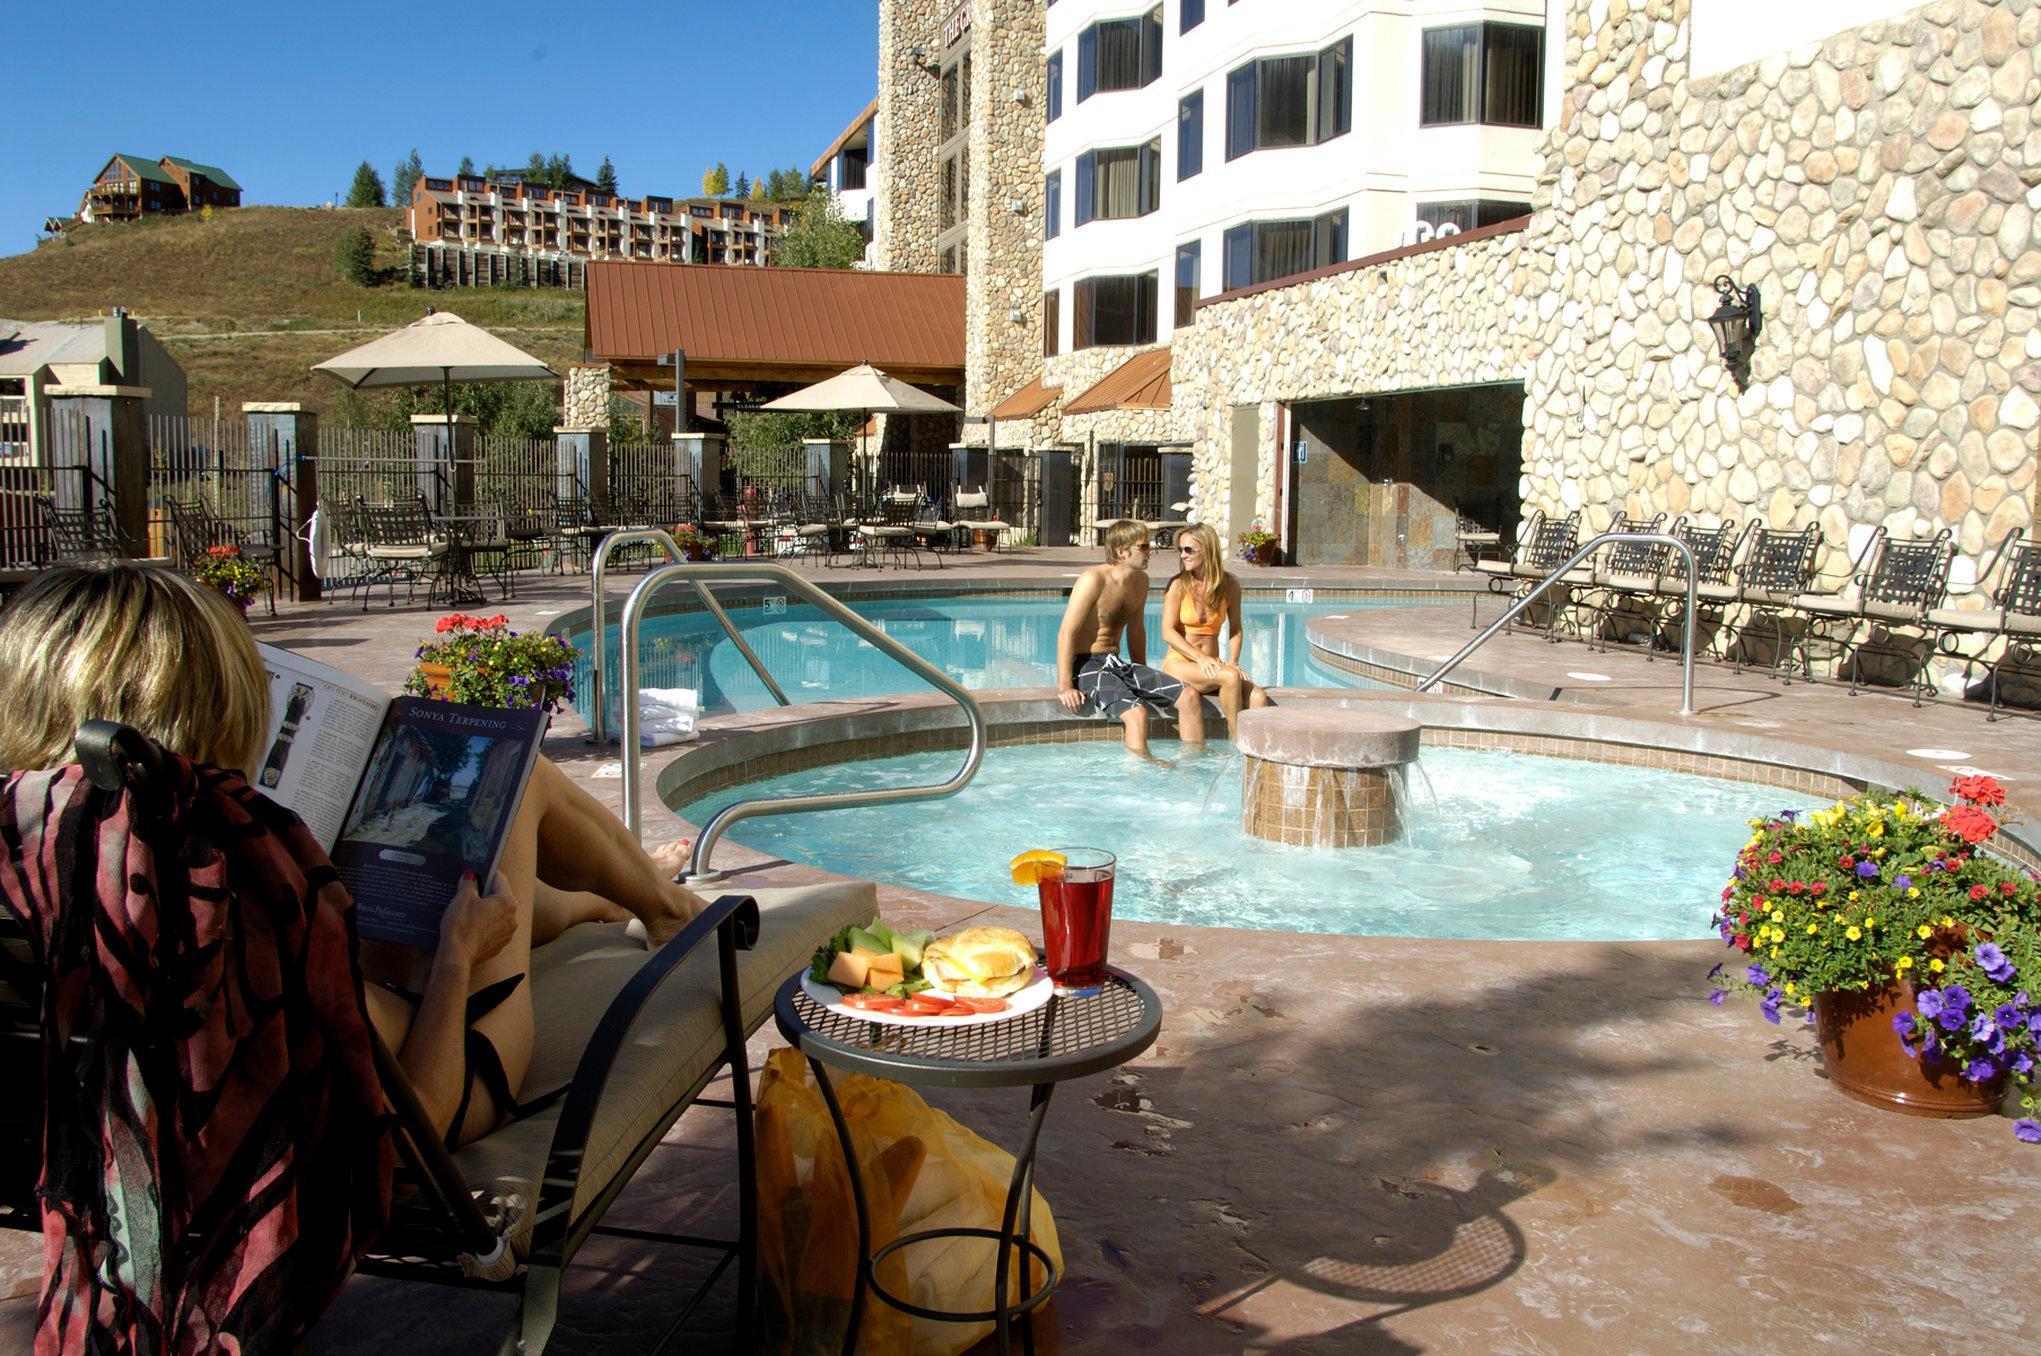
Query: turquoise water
(1504, 846)
(981, 640)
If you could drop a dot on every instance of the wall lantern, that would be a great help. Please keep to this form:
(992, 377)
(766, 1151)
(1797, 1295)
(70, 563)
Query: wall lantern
(1736, 323)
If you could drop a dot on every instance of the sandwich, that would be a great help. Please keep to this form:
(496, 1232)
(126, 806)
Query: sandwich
(981, 962)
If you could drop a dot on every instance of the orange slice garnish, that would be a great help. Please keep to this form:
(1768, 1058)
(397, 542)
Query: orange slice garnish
(1030, 867)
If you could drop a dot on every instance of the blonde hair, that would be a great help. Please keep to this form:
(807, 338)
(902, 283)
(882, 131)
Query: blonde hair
(1122, 535)
(132, 643)
(1207, 584)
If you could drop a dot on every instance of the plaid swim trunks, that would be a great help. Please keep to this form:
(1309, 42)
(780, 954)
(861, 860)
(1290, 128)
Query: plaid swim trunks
(1113, 685)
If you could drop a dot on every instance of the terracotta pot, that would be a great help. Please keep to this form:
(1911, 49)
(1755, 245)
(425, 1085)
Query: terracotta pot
(439, 679)
(694, 552)
(1265, 554)
(1865, 1060)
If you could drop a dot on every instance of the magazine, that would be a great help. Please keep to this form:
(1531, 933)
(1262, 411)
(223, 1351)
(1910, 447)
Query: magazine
(405, 795)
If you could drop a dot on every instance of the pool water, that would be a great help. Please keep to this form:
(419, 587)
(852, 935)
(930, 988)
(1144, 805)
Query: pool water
(981, 640)
(1502, 845)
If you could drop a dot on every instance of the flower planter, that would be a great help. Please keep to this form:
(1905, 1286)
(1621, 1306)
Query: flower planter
(439, 679)
(1865, 1060)
(1265, 554)
(694, 552)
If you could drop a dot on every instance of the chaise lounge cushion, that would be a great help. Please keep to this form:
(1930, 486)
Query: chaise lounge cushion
(677, 1036)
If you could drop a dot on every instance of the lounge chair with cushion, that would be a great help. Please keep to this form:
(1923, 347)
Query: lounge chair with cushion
(2010, 619)
(1903, 582)
(975, 514)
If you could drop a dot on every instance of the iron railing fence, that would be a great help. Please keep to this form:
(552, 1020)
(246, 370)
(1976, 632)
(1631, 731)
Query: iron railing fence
(25, 492)
(1130, 484)
(1014, 486)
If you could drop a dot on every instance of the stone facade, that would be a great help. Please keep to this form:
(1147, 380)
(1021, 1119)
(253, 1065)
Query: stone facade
(585, 397)
(1879, 188)
(905, 220)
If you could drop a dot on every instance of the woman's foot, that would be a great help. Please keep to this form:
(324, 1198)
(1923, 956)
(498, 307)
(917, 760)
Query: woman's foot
(671, 858)
(682, 904)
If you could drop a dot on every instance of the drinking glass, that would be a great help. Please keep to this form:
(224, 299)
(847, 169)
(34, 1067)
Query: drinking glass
(1077, 919)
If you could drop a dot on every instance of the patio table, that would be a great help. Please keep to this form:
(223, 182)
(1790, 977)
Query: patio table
(1068, 1037)
(468, 535)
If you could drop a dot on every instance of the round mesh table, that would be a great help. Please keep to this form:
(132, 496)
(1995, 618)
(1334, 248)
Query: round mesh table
(1068, 1037)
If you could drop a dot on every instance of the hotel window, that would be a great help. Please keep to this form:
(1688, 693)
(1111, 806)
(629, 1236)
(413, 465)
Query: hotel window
(953, 163)
(1189, 15)
(855, 162)
(1468, 215)
(1123, 181)
(1119, 54)
(1052, 204)
(1481, 73)
(1290, 101)
(1113, 310)
(1052, 321)
(1190, 134)
(1054, 75)
(1263, 251)
(1188, 258)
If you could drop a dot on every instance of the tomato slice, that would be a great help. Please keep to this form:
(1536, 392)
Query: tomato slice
(982, 1004)
(943, 1001)
(925, 1007)
(874, 1002)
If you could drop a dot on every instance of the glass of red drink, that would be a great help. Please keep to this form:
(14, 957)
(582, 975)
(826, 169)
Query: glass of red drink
(1077, 919)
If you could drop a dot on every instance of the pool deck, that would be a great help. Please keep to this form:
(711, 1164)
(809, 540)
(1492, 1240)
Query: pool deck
(1346, 1144)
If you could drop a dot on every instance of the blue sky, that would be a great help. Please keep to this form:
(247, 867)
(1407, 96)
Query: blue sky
(289, 98)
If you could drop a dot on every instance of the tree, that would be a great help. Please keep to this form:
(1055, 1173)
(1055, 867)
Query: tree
(716, 181)
(820, 236)
(355, 256)
(535, 168)
(606, 177)
(559, 169)
(743, 188)
(787, 185)
(408, 172)
(467, 168)
(367, 189)
(758, 191)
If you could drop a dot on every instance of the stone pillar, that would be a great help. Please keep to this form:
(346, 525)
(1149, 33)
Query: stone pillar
(99, 458)
(581, 464)
(585, 400)
(446, 471)
(1323, 778)
(700, 457)
(828, 466)
(284, 437)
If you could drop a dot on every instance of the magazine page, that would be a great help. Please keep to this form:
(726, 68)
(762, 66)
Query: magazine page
(322, 726)
(437, 800)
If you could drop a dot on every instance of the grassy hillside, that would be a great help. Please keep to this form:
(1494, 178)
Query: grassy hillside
(249, 300)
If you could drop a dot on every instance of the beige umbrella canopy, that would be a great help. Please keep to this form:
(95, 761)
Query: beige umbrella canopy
(865, 390)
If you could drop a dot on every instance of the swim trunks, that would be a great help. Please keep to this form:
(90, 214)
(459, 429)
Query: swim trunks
(1114, 685)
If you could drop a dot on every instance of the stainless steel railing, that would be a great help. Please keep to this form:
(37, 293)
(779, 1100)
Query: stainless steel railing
(701, 574)
(1510, 614)
(598, 621)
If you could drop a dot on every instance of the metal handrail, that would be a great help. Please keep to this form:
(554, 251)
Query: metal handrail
(699, 574)
(598, 618)
(1582, 553)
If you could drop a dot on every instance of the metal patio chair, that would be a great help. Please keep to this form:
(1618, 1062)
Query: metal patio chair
(1540, 550)
(1714, 550)
(1902, 583)
(1777, 567)
(401, 547)
(2012, 620)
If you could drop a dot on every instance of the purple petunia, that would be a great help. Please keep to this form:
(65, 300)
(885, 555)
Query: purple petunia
(2027, 1131)
(1790, 816)
(1757, 976)
(2023, 1063)
(1993, 962)
(1902, 1022)
(2007, 1016)
(1770, 1006)
(1980, 1071)
(1867, 869)
(1929, 1001)
(1902, 883)
(1716, 996)
(1956, 997)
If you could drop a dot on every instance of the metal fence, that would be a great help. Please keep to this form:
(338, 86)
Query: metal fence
(25, 491)
(1129, 483)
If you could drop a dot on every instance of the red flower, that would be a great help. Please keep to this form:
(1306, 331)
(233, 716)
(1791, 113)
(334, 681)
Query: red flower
(1969, 823)
(1819, 887)
(1977, 892)
(1846, 862)
(1978, 790)
(1774, 859)
(2006, 887)
(1795, 887)
(1776, 885)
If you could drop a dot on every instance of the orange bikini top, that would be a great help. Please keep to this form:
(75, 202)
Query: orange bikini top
(1192, 618)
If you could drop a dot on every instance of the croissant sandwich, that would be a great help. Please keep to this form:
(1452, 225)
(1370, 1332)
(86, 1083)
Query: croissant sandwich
(980, 962)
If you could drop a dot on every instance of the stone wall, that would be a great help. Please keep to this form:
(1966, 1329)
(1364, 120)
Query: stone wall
(1005, 246)
(904, 179)
(585, 398)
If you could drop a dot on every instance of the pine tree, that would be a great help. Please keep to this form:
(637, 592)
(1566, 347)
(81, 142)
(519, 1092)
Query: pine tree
(535, 169)
(758, 191)
(408, 172)
(559, 169)
(743, 189)
(355, 256)
(716, 181)
(606, 177)
(367, 189)
(467, 166)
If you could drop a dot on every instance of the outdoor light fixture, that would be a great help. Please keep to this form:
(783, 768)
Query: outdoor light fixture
(1736, 323)
(1017, 205)
(1016, 315)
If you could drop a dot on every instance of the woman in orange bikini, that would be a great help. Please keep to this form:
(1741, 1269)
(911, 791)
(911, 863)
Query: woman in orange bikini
(1202, 598)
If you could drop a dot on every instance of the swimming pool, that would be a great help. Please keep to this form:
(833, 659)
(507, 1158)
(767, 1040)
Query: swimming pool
(981, 640)
(1504, 846)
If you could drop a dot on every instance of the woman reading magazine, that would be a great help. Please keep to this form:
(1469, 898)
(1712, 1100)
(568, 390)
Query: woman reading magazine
(148, 648)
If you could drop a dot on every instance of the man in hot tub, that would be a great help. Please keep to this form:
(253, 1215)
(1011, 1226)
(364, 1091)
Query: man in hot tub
(1107, 602)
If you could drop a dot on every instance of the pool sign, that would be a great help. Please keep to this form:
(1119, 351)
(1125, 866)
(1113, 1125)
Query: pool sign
(775, 604)
(1298, 595)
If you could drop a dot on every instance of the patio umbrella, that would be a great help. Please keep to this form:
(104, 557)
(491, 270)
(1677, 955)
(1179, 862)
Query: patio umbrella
(865, 390)
(439, 347)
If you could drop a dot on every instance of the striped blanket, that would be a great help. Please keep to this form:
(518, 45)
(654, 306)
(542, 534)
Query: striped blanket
(216, 1153)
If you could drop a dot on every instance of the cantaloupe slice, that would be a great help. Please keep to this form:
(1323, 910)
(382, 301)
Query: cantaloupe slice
(850, 970)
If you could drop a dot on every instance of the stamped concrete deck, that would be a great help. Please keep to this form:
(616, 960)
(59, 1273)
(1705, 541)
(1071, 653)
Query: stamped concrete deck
(1348, 1144)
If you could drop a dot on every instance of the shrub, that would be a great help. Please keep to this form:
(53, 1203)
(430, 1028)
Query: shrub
(356, 257)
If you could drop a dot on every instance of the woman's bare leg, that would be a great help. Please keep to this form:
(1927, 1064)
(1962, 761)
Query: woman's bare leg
(578, 845)
(554, 911)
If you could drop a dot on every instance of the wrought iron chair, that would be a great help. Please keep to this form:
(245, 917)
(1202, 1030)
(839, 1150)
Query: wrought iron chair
(89, 534)
(2012, 620)
(975, 514)
(401, 546)
(1905, 581)
(1540, 549)
(1777, 567)
(195, 531)
(1621, 590)
(1714, 550)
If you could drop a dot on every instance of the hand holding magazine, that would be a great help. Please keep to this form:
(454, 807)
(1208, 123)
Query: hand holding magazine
(405, 795)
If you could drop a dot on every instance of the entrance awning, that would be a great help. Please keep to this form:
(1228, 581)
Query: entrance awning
(1140, 383)
(1029, 401)
(745, 327)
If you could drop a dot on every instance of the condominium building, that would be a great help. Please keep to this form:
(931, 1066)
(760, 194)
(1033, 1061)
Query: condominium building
(845, 169)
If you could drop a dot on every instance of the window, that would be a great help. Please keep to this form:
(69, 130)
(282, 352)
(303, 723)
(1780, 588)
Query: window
(854, 163)
(953, 164)
(955, 97)
(1113, 310)
(1485, 73)
(1123, 181)
(1119, 54)
(1052, 204)
(1290, 100)
(1055, 80)
(1052, 321)
(1189, 15)
(1468, 215)
(1187, 261)
(1263, 251)
(1190, 134)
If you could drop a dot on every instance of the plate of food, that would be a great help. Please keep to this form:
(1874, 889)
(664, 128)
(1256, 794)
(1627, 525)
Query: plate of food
(914, 978)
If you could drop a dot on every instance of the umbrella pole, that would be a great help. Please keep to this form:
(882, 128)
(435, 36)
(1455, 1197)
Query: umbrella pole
(446, 384)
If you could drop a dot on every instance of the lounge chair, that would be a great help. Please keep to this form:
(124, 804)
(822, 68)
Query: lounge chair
(1902, 583)
(1540, 550)
(1776, 569)
(975, 514)
(2011, 618)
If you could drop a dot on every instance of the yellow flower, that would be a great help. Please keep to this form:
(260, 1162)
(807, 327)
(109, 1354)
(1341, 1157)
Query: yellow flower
(1789, 986)
(1875, 829)
(1924, 932)
(1853, 896)
(1775, 953)
(1904, 963)
(1777, 915)
(1870, 922)
(1813, 928)
(1947, 921)
(1936, 966)
(1913, 892)
(1855, 934)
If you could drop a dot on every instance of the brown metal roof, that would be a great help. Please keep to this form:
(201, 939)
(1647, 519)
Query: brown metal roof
(1140, 383)
(1028, 401)
(775, 324)
(857, 124)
